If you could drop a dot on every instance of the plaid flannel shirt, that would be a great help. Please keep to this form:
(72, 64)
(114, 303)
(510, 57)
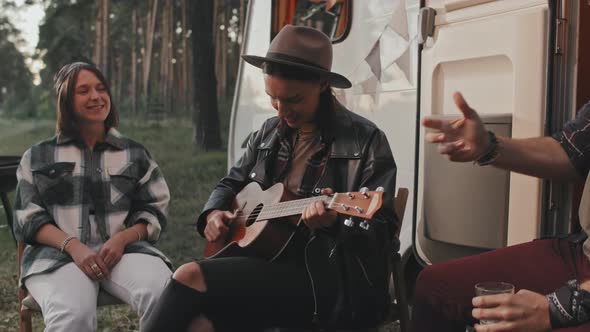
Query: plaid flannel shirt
(62, 182)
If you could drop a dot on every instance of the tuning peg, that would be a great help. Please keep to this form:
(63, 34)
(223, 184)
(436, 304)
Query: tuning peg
(364, 191)
(348, 222)
(380, 189)
(364, 225)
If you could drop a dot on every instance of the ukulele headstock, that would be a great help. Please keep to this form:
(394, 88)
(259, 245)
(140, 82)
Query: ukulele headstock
(363, 203)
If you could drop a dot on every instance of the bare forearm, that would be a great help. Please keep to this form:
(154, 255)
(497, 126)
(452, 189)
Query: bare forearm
(541, 157)
(50, 235)
(132, 234)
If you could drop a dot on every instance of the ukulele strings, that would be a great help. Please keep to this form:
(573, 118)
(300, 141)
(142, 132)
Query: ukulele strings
(281, 209)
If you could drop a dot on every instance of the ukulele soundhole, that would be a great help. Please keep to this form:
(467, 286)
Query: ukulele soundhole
(255, 213)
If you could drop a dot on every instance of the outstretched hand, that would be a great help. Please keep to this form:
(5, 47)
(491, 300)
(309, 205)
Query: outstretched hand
(463, 139)
(524, 311)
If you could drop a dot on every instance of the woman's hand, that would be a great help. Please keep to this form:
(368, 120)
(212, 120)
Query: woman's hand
(463, 139)
(524, 311)
(112, 250)
(87, 260)
(217, 224)
(316, 215)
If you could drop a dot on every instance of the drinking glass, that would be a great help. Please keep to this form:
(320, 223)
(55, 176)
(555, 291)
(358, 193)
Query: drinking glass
(491, 288)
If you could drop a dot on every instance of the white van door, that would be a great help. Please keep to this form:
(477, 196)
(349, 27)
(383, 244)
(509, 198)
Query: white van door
(495, 52)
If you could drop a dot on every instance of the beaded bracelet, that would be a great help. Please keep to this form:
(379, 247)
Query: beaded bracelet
(569, 305)
(65, 242)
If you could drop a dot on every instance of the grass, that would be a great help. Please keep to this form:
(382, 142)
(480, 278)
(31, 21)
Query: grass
(190, 173)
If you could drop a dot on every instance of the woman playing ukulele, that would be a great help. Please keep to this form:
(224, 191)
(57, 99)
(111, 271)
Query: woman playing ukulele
(329, 274)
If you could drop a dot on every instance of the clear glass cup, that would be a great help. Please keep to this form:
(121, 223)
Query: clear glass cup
(491, 288)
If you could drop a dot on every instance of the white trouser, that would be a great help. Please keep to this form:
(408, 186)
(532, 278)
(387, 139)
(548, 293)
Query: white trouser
(67, 296)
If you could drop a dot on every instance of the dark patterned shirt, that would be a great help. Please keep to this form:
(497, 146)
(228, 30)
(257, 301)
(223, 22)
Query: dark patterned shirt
(575, 140)
(62, 182)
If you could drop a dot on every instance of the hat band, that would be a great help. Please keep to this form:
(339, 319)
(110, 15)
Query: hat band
(295, 60)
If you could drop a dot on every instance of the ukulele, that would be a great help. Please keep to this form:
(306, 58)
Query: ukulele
(266, 220)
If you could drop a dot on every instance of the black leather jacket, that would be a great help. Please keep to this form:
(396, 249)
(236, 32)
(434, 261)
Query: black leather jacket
(353, 258)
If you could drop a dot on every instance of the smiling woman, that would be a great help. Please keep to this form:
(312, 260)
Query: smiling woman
(90, 205)
(84, 101)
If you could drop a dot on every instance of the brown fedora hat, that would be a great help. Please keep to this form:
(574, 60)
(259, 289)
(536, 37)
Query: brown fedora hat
(302, 47)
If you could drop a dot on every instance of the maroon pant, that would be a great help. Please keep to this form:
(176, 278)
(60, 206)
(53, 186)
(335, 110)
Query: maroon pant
(442, 300)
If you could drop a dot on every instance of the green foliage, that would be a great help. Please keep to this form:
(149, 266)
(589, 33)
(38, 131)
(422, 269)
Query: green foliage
(15, 78)
(45, 102)
(65, 35)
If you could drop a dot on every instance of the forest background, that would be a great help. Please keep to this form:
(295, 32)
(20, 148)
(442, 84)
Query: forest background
(172, 66)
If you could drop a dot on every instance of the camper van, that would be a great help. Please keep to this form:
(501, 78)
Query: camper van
(519, 63)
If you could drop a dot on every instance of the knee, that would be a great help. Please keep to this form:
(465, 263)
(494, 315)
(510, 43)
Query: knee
(190, 274)
(428, 282)
(148, 294)
(76, 314)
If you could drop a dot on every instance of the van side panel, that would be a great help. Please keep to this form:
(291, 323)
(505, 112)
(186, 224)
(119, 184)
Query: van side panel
(496, 55)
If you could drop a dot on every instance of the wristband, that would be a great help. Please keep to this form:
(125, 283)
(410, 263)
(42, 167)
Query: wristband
(569, 306)
(491, 153)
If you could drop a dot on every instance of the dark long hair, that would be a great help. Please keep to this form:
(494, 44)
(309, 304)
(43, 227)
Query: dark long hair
(64, 83)
(292, 73)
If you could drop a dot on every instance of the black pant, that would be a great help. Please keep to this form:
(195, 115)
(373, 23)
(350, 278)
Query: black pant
(252, 292)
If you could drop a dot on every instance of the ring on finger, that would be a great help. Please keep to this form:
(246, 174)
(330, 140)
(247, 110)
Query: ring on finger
(94, 266)
(99, 274)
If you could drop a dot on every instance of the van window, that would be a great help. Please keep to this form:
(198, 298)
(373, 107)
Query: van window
(333, 17)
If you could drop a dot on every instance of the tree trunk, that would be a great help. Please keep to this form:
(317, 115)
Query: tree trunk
(98, 34)
(164, 26)
(149, 42)
(206, 132)
(166, 65)
(105, 38)
(216, 34)
(223, 46)
(133, 90)
(171, 57)
(119, 58)
(184, 71)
